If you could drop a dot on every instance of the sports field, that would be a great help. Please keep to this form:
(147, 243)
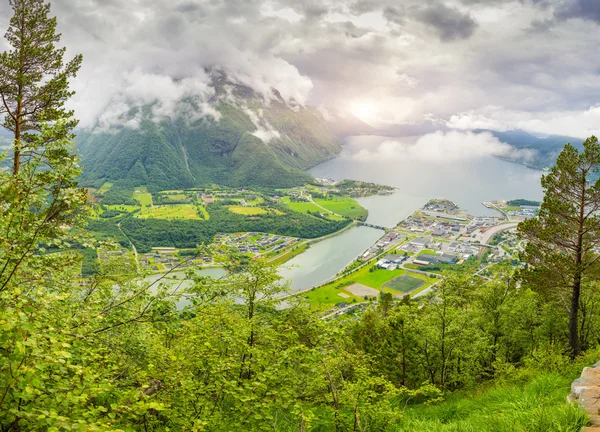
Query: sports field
(405, 283)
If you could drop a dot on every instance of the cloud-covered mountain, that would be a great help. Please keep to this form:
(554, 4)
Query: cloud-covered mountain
(233, 137)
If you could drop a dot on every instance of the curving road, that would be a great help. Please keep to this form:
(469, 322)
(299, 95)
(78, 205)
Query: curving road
(489, 234)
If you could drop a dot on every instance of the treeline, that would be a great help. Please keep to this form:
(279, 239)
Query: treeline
(119, 196)
(523, 202)
(469, 332)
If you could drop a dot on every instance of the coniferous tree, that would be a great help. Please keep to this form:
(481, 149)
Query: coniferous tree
(34, 81)
(561, 241)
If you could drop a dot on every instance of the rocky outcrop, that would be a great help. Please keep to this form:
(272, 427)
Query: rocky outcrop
(586, 391)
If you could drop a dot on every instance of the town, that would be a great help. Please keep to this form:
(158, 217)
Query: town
(409, 259)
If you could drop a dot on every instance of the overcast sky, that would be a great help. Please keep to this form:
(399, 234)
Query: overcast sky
(495, 64)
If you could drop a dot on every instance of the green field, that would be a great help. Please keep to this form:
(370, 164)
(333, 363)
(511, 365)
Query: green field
(377, 278)
(122, 207)
(176, 197)
(343, 206)
(328, 295)
(257, 201)
(248, 211)
(405, 283)
(104, 188)
(141, 194)
(301, 207)
(305, 207)
(177, 211)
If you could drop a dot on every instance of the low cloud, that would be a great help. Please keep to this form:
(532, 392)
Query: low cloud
(167, 98)
(264, 131)
(442, 147)
(579, 124)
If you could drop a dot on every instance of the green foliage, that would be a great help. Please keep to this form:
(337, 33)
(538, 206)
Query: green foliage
(118, 196)
(522, 202)
(561, 241)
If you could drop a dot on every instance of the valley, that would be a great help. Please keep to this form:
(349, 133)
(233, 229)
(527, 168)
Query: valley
(166, 226)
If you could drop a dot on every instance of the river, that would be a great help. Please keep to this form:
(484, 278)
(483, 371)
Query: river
(468, 182)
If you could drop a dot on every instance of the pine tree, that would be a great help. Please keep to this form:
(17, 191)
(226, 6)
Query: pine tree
(34, 81)
(561, 241)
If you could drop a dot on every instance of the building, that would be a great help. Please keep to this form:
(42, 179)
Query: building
(438, 259)
(420, 242)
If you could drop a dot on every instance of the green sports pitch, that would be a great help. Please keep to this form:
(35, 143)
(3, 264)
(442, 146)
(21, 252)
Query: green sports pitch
(405, 283)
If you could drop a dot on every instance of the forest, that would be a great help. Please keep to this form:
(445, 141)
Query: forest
(120, 352)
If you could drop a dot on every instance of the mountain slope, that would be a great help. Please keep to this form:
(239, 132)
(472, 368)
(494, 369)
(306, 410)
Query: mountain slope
(545, 150)
(253, 143)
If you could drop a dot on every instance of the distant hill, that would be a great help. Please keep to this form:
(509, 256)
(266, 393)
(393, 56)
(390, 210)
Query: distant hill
(545, 150)
(180, 153)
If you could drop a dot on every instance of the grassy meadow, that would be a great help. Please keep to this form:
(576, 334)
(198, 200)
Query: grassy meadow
(343, 206)
(247, 211)
(170, 212)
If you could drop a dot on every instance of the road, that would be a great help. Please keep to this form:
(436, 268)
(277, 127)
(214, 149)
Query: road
(135, 253)
(310, 198)
(489, 234)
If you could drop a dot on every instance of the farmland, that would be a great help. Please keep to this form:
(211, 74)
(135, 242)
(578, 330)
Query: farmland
(170, 212)
(183, 219)
(247, 211)
(142, 196)
(301, 207)
(104, 188)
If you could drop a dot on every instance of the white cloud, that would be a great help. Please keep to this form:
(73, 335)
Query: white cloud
(264, 130)
(167, 97)
(519, 58)
(580, 124)
(440, 147)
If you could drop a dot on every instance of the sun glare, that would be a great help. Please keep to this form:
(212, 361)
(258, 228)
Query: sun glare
(362, 110)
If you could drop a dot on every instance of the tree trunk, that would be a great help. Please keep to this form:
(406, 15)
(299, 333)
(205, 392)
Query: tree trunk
(17, 142)
(573, 317)
(576, 289)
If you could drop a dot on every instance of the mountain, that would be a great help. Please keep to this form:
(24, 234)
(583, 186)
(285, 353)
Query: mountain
(545, 150)
(254, 143)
